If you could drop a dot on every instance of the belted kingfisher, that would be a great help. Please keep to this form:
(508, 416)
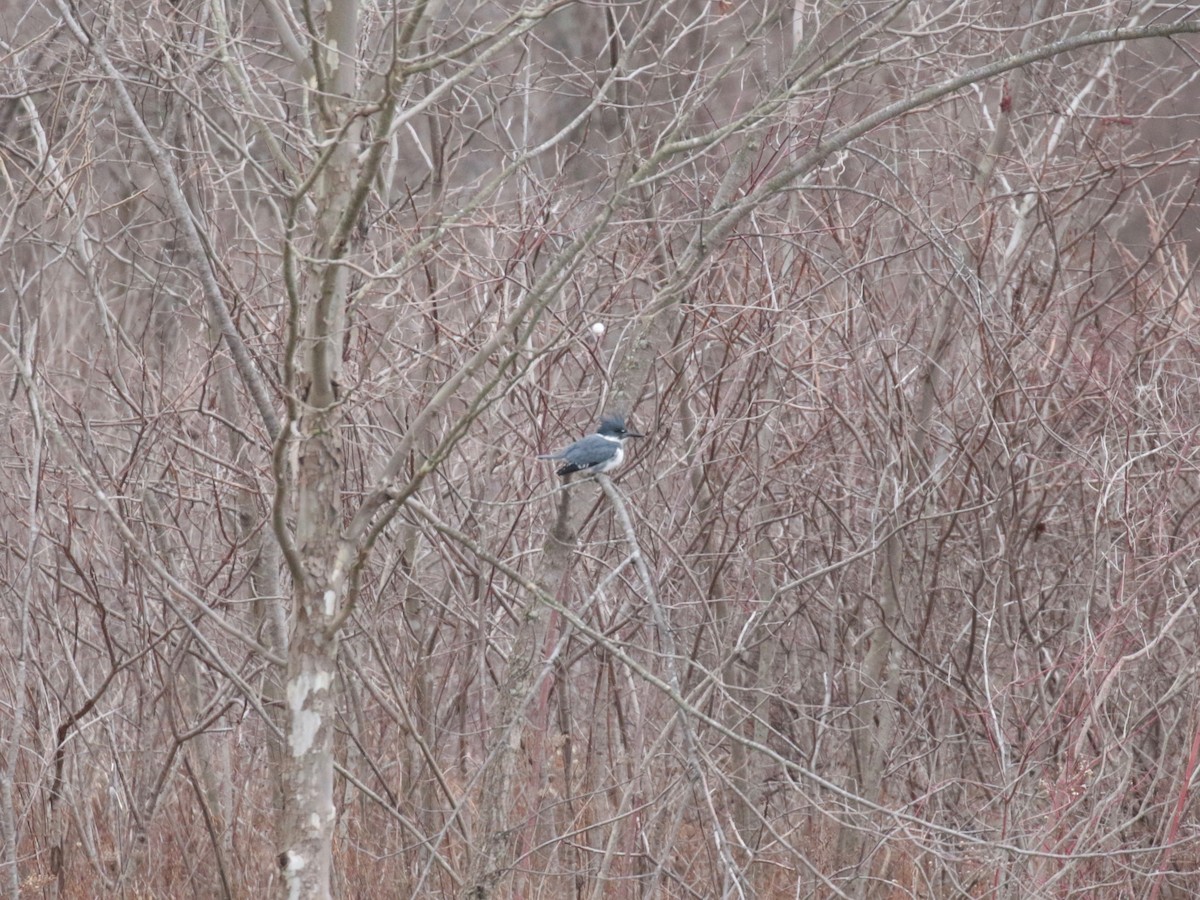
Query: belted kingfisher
(596, 453)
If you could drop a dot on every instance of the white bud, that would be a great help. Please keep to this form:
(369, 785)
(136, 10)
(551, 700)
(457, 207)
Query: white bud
(598, 329)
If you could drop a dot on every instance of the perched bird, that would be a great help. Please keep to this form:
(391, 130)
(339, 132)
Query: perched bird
(596, 453)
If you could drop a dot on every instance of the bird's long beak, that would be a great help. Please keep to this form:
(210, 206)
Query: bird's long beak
(633, 434)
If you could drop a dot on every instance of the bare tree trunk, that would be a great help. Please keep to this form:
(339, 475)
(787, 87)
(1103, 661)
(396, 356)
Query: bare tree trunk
(213, 776)
(875, 693)
(14, 722)
(491, 858)
(320, 572)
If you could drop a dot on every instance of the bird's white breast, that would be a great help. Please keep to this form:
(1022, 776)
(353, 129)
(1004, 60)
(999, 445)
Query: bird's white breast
(617, 457)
